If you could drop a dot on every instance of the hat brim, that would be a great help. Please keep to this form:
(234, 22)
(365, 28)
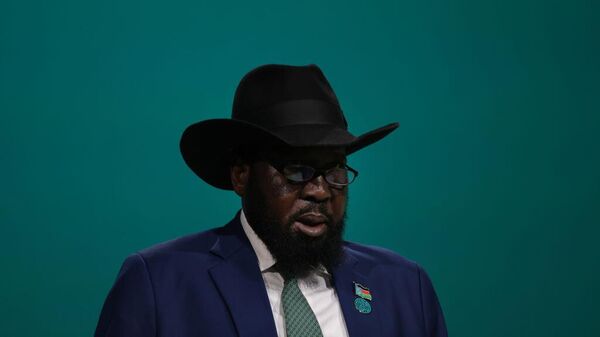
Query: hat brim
(206, 146)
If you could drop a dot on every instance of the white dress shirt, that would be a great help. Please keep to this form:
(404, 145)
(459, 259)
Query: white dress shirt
(317, 288)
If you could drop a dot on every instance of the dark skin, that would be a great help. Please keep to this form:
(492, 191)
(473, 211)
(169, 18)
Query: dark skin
(321, 204)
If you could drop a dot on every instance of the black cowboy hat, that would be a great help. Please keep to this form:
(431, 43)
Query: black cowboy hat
(289, 105)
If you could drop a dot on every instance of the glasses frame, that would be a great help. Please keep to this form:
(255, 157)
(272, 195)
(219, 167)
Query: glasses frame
(281, 167)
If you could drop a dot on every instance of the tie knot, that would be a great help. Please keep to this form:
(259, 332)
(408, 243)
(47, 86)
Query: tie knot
(289, 280)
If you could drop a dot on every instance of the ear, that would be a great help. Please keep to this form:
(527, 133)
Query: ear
(239, 178)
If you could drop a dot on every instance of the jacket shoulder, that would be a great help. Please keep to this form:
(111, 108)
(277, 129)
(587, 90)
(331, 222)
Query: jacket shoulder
(196, 248)
(381, 257)
(199, 242)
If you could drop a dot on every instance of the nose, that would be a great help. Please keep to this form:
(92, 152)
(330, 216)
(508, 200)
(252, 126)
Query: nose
(317, 190)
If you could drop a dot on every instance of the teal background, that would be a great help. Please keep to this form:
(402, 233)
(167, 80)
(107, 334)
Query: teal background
(492, 182)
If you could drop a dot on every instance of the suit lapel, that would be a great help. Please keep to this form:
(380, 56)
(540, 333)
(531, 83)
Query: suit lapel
(240, 283)
(344, 276)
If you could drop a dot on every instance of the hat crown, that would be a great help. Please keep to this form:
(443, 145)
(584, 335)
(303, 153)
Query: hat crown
(276, 95)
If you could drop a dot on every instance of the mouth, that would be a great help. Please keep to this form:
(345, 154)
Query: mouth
(311, 224)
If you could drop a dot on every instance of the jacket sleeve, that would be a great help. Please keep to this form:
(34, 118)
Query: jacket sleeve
(129, 309)
(433, 317)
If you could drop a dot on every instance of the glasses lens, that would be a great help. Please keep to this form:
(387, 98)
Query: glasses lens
(298, 173)
(339, 176)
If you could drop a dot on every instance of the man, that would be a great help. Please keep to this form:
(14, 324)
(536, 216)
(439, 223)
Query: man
(280, 267)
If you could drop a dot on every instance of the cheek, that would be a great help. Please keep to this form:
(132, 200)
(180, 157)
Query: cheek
(339, 205)
(281, 196)
(339, 201)
(279, 187)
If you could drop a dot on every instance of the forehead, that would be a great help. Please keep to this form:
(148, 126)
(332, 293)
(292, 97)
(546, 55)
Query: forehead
(317, 156)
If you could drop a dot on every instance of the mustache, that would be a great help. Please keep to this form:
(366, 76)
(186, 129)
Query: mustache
(316, 209)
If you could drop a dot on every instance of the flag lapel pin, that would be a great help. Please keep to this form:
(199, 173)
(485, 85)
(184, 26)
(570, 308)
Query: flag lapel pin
(361, 303)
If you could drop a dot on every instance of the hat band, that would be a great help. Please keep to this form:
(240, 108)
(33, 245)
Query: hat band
(296, 112)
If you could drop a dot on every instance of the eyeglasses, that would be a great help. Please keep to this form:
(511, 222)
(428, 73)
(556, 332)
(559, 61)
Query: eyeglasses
(338, 176)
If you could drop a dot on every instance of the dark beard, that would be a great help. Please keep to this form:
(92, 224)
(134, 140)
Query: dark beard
(296, 254)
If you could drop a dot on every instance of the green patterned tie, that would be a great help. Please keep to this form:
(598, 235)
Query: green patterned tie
(300, 320)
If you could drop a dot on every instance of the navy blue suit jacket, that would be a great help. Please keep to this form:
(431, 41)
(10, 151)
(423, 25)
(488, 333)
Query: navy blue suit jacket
(209, 284)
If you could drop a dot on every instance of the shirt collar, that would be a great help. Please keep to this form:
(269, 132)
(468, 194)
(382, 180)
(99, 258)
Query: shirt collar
(265, 259)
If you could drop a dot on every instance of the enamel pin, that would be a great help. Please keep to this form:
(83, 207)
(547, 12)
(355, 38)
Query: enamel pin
(363, 306)
(361, 303)
(362, 291)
